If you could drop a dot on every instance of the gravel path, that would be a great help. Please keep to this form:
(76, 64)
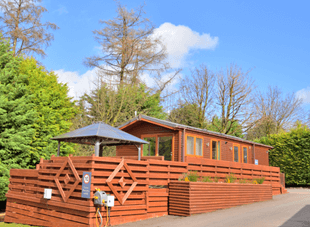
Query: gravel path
(288, 210)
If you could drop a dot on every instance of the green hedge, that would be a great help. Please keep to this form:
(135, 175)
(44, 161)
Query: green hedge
(292, 154)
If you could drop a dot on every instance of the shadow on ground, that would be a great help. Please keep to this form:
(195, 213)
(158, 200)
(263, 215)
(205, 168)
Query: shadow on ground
(300, 219)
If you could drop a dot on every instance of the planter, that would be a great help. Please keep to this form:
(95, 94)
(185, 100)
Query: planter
(187, 198)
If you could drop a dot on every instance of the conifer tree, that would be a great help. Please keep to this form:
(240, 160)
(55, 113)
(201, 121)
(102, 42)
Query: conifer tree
(53, 107)
(34, 107)
(17, 117)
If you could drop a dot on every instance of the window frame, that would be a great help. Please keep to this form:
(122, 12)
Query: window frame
(219, 153)
(157, 142)
(233, 150)
(194, 136)
(247, 154)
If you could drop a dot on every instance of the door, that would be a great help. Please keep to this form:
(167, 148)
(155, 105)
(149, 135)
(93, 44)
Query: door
(165, 147)
(159, 145)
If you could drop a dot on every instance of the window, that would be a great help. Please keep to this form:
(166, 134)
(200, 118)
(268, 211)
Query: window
(199, 146)
(194, 146)
(245, 155)
(149, 149)
(215, 150)
(190, 145)
(159, 145)
(236, 153)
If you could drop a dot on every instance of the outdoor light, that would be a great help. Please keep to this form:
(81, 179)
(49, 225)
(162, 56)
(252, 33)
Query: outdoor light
(230, 148)
(207, 144)
(250, 147)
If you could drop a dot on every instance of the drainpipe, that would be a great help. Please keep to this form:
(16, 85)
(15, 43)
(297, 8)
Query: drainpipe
(254, 152)
(183, 148)
(139, 152)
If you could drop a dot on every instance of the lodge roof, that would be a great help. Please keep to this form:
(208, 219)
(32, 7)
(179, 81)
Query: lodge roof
(106, 134)
(177, 126)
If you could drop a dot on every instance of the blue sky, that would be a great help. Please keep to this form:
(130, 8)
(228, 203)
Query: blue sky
(269, 37)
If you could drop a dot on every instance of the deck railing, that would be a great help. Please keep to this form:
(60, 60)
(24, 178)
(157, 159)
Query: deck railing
(220, 169)
(140, 187)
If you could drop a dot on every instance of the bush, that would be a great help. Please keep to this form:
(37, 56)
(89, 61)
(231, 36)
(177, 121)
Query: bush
(216, 179)
(206, 179)
(243, 181)
(259, 180)
(193, 176)
(4, 179)
(230, 178)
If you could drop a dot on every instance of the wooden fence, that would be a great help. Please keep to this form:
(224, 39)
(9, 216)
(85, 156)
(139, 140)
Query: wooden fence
(220, 169)
(187, 198)
(140, 187)
(133, 183)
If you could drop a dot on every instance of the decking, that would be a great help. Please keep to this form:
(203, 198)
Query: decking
(141, 188)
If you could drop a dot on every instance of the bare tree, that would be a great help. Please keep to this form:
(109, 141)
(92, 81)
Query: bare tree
(274, 112)
(199, 90)
(233, 99)
(129, 47)
(21, 23)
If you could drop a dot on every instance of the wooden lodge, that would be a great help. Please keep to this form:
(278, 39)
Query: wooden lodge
(144, 186)
(177, 141)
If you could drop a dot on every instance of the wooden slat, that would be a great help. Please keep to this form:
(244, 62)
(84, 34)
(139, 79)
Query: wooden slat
(187, 198)
(137, 199)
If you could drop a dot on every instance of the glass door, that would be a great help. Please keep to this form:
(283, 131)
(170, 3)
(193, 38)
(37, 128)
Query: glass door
(165, 147)
(149, 149)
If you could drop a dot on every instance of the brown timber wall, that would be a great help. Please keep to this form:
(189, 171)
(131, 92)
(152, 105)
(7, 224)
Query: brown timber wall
(133, 183)
(220, 169)
(137, 199)
(187, 198)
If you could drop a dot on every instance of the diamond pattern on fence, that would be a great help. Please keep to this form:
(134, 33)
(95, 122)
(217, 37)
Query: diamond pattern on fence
(122, 199)
(65, 196)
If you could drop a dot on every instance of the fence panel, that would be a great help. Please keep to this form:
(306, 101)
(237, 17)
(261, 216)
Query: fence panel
(140, 187)
(220, 169)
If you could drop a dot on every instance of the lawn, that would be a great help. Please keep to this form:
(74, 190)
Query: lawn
(2, 224)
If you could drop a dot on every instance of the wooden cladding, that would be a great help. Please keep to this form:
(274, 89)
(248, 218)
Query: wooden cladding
(133, 183)
(187, 198)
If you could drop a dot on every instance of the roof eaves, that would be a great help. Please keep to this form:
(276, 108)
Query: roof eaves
(181, 126)
(176, 125)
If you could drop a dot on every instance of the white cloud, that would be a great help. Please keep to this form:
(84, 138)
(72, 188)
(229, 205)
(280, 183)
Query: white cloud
(304, 95)
(61, 10)
(171, 87)
(78, 84)
(148, 80)
(180, 39)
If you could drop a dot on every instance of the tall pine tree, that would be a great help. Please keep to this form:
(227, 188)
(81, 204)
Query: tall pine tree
(34, 107)
(53, 107)
(17, 117)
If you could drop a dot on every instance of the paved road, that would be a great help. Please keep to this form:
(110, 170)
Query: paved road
(288, 210)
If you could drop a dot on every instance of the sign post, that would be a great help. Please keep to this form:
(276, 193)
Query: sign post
(86, 183)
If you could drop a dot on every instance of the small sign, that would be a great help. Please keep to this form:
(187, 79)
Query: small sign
(256, 162)
(86, 183)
